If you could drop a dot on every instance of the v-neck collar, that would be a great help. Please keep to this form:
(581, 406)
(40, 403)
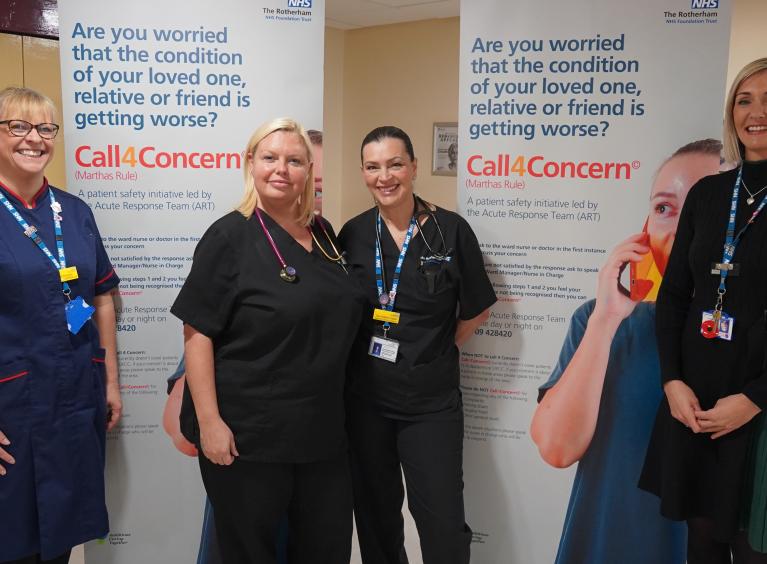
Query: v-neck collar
(32, 204)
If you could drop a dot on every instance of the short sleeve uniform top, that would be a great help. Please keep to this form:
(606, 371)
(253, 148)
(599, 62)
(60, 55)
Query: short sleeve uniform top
(609, 519)
(280, 348)
(425, 377)
(52, 382)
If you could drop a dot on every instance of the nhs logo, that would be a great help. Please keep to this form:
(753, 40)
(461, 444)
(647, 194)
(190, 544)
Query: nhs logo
(702, 4)
(308, 3)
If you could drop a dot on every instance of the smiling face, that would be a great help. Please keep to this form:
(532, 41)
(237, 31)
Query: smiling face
(389, 172)
(280, 168)
(669, 191)
(23, 159)
(749, 114)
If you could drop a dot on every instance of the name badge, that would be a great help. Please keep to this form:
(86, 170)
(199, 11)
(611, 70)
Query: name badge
(385, 315)
(733, 269)
(383, 348)
(68, 274)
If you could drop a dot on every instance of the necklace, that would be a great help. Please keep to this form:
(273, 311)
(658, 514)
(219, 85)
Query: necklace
(339, 258)
(287, 273)
(752, 197)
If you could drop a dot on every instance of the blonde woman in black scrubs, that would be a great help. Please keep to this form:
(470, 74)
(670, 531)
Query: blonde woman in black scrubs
(269, 316)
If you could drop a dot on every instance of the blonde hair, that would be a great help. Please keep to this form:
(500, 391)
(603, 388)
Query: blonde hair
(17, 103)
(734, 151)
(250, 199)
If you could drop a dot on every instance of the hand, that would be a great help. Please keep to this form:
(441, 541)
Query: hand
(613, 299)
(170, 419)
(683, 403)
(5, 456)
(217, 442)
(729, 413)
(114, 405)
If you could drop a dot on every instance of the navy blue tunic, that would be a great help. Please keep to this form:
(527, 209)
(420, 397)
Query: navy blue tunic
(52, 383)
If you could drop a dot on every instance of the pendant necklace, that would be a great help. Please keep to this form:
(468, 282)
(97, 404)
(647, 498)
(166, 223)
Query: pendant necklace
(287, 273)
(752, 197)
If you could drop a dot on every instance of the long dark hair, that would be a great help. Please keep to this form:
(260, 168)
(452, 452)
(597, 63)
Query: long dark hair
(388, 132)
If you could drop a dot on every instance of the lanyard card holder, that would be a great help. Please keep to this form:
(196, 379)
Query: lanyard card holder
(383, 348)
(78, 312)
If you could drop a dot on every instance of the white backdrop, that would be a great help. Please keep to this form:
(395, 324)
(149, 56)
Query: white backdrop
(530, 72)
(159, 101)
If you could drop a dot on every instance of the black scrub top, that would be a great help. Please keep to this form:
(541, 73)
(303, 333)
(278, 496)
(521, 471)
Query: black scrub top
(280, 348)
(426, 376)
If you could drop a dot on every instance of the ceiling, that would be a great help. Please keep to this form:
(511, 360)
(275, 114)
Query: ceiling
(352, 14)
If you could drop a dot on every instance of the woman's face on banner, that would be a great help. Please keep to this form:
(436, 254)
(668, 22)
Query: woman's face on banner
(280, 167)
(749, 114)
(388, 172)
(669, 191)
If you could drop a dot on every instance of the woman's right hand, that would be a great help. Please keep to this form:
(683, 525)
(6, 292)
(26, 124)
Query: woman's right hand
(217, 442)
(683, 403)
(170, 419)
(5, 456)
(613, 299)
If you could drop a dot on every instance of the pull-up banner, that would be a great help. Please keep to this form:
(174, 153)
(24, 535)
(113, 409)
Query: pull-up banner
(567, 111)
(160, 99)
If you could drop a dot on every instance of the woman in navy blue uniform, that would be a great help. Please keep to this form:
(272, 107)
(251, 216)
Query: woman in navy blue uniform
(269, 317)
(427, 291)
(58, 365)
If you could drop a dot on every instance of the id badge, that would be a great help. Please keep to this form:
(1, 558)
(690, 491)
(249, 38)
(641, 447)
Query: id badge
(77, 312)
(383, 348)
(724, 331)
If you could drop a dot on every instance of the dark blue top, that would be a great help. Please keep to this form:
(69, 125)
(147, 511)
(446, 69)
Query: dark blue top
(52, 383)
(609, 519)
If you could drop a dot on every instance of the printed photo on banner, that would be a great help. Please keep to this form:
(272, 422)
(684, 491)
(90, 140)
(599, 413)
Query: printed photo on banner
(579, 422)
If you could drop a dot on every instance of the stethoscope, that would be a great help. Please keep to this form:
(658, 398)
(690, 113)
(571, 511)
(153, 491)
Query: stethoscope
(443, 256)
(430, 263)
(287, 272)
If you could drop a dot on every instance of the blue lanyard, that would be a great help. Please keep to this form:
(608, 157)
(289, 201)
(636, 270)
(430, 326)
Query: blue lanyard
(731, 239)
(392, 295)
(31, 232)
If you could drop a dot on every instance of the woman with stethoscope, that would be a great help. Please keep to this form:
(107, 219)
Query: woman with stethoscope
(269, 317)
(427, 291)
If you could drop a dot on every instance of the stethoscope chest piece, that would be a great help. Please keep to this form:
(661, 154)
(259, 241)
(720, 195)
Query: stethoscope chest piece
(288, 274)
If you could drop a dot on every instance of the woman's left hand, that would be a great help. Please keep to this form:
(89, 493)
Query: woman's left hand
(729, 413)
(114, 404)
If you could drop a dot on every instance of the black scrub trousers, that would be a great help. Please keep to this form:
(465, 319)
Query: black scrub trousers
(408, 413)
(280, 351)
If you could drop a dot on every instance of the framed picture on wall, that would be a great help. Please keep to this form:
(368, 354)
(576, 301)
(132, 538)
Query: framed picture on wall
(444, 154)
